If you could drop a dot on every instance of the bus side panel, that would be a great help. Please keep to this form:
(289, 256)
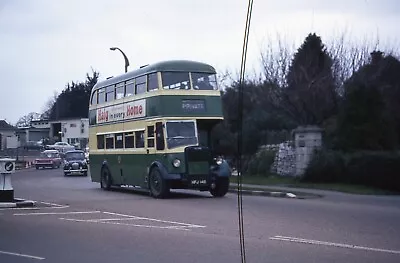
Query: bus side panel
(95, 167)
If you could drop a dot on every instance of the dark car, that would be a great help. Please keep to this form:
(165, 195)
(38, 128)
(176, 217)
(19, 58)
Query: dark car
(48, 158)
(75, 163)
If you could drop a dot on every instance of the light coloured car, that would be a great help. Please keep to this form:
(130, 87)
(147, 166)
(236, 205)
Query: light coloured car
(61, 147)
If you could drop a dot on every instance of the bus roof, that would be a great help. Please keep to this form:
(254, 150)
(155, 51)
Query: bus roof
(169, 65)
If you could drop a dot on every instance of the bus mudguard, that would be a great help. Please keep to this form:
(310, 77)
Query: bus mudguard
(164, 172)
(222, 170)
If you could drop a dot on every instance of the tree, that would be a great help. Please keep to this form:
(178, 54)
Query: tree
(382, 73)
(310, 96)
(363, 122)
(49, 105)
(73, 102)
(25, 121)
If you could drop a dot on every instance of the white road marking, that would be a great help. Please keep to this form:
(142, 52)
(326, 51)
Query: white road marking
(57, 213)
(53, 204)
(102, 219)
(34, 208)
(21, 255)
(341, 245)
(125, 224)
(156, 220)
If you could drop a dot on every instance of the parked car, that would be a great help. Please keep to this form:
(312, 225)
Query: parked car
(62, 147)
(32, 145)
(75, 163)
(48, 158)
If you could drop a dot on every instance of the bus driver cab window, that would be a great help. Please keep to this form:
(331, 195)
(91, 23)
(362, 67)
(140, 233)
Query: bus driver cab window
(160, 136)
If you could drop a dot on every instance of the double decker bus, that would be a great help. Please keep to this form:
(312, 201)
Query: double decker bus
(150, 129)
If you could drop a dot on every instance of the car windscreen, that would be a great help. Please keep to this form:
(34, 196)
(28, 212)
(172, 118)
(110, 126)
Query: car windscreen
(75, 156)
(48, 155)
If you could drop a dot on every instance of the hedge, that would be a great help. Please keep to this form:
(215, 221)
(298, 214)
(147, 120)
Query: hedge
(375, 169)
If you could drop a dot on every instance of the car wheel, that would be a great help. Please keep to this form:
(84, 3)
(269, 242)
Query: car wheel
(105, 178)
(221, 187)
(158, 186)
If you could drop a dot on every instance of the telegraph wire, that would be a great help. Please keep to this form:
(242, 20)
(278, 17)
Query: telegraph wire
(240, 131)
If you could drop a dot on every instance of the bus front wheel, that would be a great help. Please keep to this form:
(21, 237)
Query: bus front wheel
(158, 186)
(220, 188)
(105, 180)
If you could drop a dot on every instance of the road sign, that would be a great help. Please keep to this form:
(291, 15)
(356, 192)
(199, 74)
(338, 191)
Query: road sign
(9, 166)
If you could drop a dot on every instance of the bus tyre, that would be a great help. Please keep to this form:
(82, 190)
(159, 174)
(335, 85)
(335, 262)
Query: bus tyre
(158, 186)
(105, 180)
(221, 187)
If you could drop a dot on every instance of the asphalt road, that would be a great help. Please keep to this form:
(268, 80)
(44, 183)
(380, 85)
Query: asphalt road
(76, 221)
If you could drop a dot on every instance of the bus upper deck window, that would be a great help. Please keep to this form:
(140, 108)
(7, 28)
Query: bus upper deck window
(152, 82)
(204, 81)
(101, 96)
(94, 98)
(140, 84)
(175, 80)
(130, 88)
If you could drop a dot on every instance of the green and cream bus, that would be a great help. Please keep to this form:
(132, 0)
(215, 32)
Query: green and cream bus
(150, 129)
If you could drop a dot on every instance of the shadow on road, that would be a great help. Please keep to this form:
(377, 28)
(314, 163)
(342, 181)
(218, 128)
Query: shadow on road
(175, 194)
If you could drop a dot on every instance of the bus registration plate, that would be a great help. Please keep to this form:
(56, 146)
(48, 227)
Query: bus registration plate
(198, 182)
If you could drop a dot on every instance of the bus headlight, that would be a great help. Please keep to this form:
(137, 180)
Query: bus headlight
(176, 163)
(218, 160)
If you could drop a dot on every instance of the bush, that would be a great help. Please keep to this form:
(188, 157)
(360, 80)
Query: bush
(374, 169)
(325, 167)
(261, 163)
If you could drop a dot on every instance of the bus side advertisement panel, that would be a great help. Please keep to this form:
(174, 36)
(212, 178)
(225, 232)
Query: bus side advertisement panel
(126, 111)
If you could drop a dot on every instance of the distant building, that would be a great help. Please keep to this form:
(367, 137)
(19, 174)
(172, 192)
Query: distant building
(37, 131)
(74, 131)
(7, 134)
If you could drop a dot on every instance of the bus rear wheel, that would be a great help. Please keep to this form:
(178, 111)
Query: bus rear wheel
(105, 180)
(221, 187)
(158, 186)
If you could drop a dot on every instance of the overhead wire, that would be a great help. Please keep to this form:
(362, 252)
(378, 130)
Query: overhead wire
(240, 131)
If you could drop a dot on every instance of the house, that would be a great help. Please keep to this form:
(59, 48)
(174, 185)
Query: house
(38, 130)
(7, 135)
(74, 131)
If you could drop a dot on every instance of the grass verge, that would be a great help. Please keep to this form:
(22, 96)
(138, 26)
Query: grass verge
(295, 183)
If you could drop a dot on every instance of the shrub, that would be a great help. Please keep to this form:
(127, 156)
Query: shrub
(325, 167)
(261, 163)
(375, 169)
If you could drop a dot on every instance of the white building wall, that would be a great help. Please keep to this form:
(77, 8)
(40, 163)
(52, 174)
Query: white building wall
(75, 131)
(41, 124)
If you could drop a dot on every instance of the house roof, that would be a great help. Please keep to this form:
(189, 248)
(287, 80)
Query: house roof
(4, 126)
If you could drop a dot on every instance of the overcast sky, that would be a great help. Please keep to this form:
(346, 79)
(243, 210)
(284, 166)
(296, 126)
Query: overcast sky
(45, 43)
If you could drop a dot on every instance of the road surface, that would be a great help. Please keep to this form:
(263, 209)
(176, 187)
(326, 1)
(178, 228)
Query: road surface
(76, 221)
